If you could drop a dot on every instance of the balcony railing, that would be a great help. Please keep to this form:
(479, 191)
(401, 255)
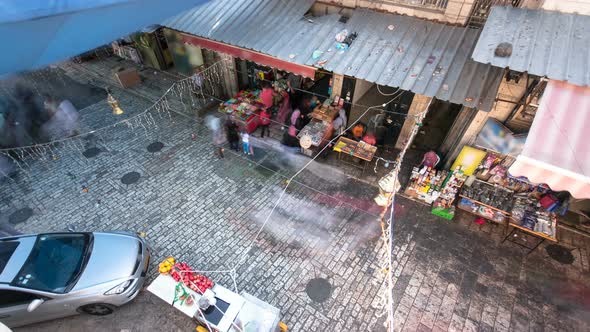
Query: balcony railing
(428, 4)
(481, 10)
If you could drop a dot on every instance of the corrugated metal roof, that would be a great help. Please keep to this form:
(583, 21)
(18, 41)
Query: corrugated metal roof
(416, 55)
(544, 43)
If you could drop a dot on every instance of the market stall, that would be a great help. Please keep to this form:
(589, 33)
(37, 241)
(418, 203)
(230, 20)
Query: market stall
(528, 209)
(359, 150)
(245, 108)
(213, 306)
(318, 132)
(437, 187)
(482, 199)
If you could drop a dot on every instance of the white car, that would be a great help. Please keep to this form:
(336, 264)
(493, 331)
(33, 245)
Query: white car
(47, 276)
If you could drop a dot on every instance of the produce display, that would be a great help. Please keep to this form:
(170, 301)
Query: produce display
(183, 273)
(166, 266)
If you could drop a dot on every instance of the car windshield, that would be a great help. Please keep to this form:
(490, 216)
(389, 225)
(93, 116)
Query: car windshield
(55, 262)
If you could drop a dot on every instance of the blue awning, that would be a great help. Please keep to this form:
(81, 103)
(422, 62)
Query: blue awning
(41, 32)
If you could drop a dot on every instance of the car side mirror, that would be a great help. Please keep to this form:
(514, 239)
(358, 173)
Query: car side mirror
(34, 304)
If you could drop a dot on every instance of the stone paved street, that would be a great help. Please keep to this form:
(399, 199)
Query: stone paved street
(449, 276)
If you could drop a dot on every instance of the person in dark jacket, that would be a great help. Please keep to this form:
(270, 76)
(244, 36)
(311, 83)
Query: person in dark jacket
(233, 136)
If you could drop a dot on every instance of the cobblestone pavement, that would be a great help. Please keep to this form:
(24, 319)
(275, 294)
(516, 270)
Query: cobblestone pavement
(207, 211)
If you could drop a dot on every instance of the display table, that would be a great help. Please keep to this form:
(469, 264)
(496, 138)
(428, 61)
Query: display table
(360, 150)
(229, 302)
(245, 109)
(487, 201)
(318, 132)
(529, 218)
(325, 113)
(482, 210)
(180, 286)
(425, 184)
(314, 136)
(443, 205)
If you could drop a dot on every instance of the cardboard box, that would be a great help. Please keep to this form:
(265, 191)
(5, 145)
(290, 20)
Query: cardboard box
(127, 77)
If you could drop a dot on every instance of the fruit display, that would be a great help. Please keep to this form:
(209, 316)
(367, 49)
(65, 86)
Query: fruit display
(166, 266)
(182, 272)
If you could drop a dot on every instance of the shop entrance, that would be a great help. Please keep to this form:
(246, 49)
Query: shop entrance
(320, 86)
(436, 125)
(386, 122)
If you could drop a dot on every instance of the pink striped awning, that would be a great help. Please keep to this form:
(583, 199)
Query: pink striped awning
(557, 149)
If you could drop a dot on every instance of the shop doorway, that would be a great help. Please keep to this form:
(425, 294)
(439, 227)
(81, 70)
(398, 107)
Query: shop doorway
(436, 125)
(386, 122)
(321, 85)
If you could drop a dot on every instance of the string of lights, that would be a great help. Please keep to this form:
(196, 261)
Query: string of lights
(155, 105)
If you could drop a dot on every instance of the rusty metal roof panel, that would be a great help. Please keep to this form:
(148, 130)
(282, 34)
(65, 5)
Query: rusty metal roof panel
(544, 43)
(398, 51)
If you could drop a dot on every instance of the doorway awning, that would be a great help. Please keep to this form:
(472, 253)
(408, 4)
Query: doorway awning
(242, 53)
(557, 149)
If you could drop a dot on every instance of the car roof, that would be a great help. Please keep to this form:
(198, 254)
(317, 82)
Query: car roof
(14, 258)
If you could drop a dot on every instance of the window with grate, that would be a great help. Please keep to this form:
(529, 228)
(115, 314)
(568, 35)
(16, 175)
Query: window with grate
(481, 10)
(429, 4)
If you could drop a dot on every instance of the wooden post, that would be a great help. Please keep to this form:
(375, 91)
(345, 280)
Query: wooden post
(337, 81)
(419, 104)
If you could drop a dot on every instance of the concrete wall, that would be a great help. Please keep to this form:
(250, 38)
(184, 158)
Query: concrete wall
(360, 88)
(186, 57)
(419, 104)
(456, 11)
(511, 91)
(568, 6)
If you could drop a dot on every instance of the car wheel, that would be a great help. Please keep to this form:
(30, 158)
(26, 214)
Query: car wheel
(97, 309)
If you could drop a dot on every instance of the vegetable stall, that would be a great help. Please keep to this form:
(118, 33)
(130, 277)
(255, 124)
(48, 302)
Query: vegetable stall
(214, 307)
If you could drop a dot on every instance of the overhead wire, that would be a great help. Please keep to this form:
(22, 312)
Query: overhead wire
(242, 258)
(391, 205)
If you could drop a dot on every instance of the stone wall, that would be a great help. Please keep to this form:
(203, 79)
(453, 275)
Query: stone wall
(456, 11)
(568, 6)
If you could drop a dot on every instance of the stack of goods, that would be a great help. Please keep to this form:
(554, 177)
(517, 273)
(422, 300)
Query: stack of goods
(529, 213)
(425, 183)
(443, 205)
(494, 168)
(315, 130)
(325, 113)
(357, 149)
(344, 147)
(244, 104)
(482, 210)
(365, 151)
(494, 196)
